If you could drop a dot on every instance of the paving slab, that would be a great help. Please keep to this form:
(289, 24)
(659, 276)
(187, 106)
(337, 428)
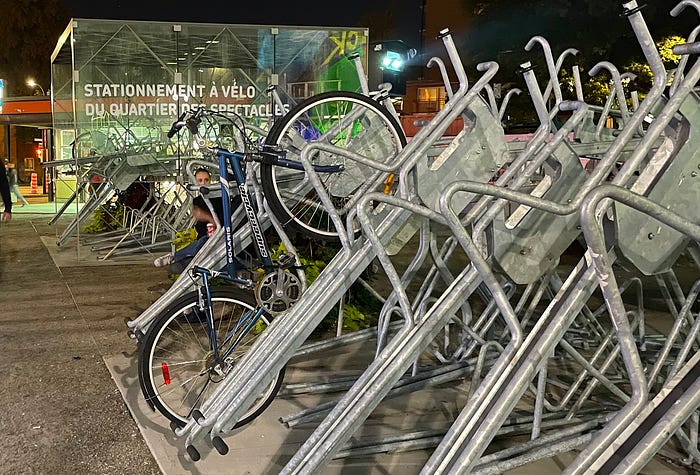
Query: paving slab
(264, 445)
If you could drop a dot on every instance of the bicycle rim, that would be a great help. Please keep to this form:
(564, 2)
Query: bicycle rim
(344, 119)
(175, 358)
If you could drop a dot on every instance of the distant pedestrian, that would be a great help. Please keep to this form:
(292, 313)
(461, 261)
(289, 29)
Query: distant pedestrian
(5, 193)
(14, 185)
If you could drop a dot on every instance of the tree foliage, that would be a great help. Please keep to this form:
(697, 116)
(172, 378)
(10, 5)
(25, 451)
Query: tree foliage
(597, 88)
(29, 31)
(665, 47)
(597, 29)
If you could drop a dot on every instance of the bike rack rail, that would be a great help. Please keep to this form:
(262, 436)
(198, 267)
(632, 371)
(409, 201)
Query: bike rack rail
(552, 351)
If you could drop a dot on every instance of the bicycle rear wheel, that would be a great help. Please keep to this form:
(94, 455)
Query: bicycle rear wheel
(343, 119)
(175, 357)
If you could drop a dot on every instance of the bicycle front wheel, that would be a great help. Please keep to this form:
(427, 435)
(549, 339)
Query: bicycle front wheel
(343, 119)
(177, 366)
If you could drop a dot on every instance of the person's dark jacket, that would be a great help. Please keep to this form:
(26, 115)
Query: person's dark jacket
(5, 189)
(198, 201)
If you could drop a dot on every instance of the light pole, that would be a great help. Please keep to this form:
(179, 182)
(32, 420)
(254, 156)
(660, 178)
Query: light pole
(33, 83)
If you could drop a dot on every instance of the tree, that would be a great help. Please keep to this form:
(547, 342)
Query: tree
(598, 87)
(500, 30)
(29, 31)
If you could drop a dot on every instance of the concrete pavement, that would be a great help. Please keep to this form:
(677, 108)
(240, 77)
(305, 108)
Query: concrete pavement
(62, 413)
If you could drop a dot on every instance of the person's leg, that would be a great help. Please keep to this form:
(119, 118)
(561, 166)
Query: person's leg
(187, 252)
(19, 195)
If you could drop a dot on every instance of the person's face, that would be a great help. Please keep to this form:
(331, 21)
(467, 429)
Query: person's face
(203, 178)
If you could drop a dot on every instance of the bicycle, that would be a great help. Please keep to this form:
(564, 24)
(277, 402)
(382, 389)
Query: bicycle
(195, 342)
(345, 119)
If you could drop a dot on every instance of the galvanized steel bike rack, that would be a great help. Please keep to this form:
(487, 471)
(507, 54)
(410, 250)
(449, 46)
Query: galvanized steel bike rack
(527, 325)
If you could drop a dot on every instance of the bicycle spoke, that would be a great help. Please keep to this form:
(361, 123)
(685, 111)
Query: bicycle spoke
(181, 370)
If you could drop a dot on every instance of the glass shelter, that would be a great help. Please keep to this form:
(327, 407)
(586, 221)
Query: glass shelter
(128, 81)
(117, 86)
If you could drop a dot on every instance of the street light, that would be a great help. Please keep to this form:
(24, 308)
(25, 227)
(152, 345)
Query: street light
(33, 83)
(392, 58)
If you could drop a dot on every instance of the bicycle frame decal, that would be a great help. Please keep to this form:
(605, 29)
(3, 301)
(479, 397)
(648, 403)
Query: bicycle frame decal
(254, 225)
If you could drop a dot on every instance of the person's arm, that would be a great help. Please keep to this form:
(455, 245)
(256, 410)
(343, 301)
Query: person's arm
(5, 193)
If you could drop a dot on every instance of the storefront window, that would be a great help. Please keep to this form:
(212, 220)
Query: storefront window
(430, 99)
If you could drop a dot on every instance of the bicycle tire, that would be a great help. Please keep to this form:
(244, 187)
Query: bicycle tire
(178, 339)
(374, 133)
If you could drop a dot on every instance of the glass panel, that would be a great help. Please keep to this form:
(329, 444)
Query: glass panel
(118, 86)
(133, 79)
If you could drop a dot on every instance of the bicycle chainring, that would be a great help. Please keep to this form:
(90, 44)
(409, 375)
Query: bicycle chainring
(278, 291)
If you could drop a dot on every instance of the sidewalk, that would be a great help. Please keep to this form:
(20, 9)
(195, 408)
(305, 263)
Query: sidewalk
(38, 197)
(62, 413)
(71, 398)
(39, 203)
(43, 208)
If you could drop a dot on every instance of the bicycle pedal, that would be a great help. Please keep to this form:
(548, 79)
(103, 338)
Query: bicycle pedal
(285, 261)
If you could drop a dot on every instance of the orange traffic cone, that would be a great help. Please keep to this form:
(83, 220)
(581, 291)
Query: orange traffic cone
(33, 189)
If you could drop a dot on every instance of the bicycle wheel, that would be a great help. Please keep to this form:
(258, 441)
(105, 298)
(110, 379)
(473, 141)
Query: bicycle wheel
(343, 119)
(175, 358)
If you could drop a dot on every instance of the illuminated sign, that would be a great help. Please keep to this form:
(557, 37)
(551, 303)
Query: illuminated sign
(161, 99)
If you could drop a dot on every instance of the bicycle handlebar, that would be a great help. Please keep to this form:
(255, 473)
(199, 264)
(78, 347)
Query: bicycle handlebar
(177, 125)
(192, 122)
(193, 117)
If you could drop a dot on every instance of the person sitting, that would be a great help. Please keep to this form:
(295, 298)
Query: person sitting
(204, 221)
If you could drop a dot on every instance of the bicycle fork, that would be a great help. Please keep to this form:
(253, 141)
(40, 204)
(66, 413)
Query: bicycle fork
(242, 328)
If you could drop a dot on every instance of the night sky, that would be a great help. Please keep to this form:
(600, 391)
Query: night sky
(270, 12)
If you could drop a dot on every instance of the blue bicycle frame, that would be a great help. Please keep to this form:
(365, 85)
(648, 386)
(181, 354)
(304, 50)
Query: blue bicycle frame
(234, 160)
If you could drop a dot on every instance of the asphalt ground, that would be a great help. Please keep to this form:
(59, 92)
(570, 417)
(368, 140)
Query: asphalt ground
(71, 398)
(62, 412)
